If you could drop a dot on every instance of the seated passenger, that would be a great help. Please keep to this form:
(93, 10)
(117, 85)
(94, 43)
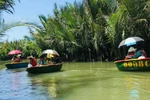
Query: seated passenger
(42, 60)
(131, 53)
(140, 53)
(16, 58)
(32, 62)
(57, 59)
(50, 58)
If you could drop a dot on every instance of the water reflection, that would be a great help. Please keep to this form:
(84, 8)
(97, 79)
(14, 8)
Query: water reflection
(76, 81)
(52, 88)
(132, 87)
(11, 83)
(16, 85)
(15, 81)
(138, 85)
(46, 84)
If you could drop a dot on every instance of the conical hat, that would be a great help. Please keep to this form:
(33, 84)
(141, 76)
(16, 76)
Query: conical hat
(131, 49)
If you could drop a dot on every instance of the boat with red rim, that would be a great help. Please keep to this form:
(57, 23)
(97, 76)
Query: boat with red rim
(133, 64)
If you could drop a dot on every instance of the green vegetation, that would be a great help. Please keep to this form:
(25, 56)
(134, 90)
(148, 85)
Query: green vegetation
(87, 31)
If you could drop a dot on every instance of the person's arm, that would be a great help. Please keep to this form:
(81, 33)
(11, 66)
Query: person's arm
(12, 59)
(143, 53)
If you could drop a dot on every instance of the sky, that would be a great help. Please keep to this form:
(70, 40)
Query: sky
(28, 11)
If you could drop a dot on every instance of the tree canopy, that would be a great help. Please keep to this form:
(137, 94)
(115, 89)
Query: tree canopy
(92, 30)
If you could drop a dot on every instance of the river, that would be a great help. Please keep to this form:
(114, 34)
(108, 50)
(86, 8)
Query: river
(75, 81)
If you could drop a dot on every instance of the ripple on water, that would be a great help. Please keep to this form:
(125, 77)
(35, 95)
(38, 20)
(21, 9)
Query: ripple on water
(16, 84)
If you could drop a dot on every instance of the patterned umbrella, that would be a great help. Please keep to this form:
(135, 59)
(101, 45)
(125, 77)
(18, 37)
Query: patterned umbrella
(50, 51)
(13, 52)
(130, 41)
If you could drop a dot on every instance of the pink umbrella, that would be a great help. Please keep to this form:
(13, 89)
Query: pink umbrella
(13, 52)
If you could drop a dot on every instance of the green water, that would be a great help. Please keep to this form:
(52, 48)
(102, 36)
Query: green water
(75, 81)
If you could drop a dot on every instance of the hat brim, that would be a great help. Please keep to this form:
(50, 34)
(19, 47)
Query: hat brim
(30, 57)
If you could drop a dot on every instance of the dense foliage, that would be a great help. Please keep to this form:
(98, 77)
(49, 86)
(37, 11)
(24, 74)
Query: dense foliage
(26, 46)
(91, 30)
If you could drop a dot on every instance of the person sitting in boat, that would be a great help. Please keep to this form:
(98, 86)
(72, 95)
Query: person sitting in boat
(32, 62)
(16, 58)
(49, 58)
(56, 59)
(42, 60)
(19, 57)
(140, 53)
(131, 53)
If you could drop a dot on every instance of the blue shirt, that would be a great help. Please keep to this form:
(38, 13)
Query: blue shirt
(137, 54)
(42, 62)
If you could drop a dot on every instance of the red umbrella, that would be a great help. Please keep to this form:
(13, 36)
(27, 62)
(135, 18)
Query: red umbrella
(13, 52)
